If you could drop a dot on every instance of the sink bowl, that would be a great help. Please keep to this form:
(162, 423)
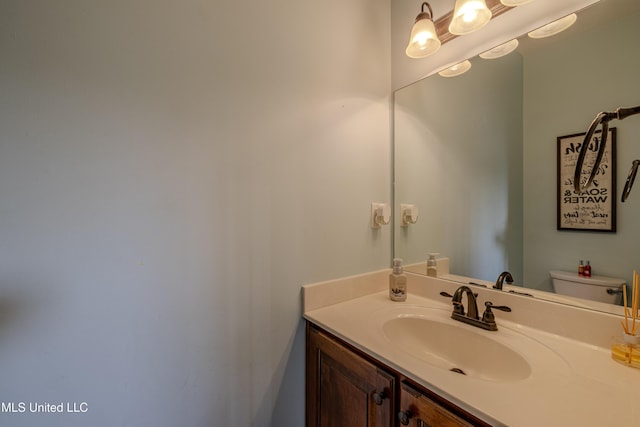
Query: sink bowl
(457, 348)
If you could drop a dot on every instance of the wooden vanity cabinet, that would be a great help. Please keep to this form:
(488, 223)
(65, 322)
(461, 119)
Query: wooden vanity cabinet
(343, 389)
(347, 388)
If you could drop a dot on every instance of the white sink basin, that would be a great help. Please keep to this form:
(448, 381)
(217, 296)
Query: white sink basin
(453, 347)
(429, 335)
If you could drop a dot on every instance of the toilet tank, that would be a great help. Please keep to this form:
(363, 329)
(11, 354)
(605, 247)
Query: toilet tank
(593, 288)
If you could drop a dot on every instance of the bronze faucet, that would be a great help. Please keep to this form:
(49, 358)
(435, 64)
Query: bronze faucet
(472, 304)
(488, 320)
(505, 275)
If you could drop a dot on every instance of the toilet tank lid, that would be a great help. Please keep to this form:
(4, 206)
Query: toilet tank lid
(593, 280)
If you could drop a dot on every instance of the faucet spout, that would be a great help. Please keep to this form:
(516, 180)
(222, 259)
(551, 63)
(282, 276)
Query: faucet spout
(505, 275)
(472, 304)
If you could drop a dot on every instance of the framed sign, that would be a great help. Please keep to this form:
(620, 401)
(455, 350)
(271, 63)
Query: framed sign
(595, 209)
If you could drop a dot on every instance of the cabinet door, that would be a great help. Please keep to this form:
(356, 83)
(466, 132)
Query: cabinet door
(417, 409)
(344, 389)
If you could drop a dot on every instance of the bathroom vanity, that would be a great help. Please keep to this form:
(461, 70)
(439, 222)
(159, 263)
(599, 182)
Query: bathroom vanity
(347, 387)
(374, 362)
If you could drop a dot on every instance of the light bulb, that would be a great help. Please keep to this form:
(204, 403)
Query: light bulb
(469, 16)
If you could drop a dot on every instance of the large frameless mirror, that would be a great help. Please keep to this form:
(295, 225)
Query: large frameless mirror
(477, 153)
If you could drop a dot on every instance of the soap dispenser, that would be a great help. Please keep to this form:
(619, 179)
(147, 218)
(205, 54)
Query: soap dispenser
(397, 282)
(587, 269)
(432, 265)
(581, 269)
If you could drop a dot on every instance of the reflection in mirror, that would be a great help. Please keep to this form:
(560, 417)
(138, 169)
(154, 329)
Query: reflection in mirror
(477, 154)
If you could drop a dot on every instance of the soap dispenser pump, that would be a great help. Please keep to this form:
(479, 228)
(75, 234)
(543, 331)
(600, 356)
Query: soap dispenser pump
(397, 282)
(432, 265)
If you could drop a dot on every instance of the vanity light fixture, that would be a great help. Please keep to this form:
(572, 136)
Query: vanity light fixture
(513, 3)
(554, 27)
(500, 50)
(469, 16)
(423, 40)
(457, 69)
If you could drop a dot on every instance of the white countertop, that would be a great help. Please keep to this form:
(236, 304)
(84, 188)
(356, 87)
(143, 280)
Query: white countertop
(572, 382)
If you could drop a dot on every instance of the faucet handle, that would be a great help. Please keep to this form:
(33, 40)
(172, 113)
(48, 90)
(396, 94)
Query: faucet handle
(488, 314)
(489, 304)
(458, 308)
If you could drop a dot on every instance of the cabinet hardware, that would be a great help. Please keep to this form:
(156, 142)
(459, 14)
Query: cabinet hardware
(378, 397)
(404, 417)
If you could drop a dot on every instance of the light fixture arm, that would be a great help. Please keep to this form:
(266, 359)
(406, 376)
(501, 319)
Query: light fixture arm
(423, 14)
(430, 11)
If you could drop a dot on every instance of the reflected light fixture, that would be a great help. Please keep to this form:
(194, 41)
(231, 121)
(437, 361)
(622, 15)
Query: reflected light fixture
(500, 50)
(469, 16)
(554, 27)
(513, 3)
(456, 70)
(423, 40)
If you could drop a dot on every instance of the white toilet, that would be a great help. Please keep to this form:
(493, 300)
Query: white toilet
(592, 288)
